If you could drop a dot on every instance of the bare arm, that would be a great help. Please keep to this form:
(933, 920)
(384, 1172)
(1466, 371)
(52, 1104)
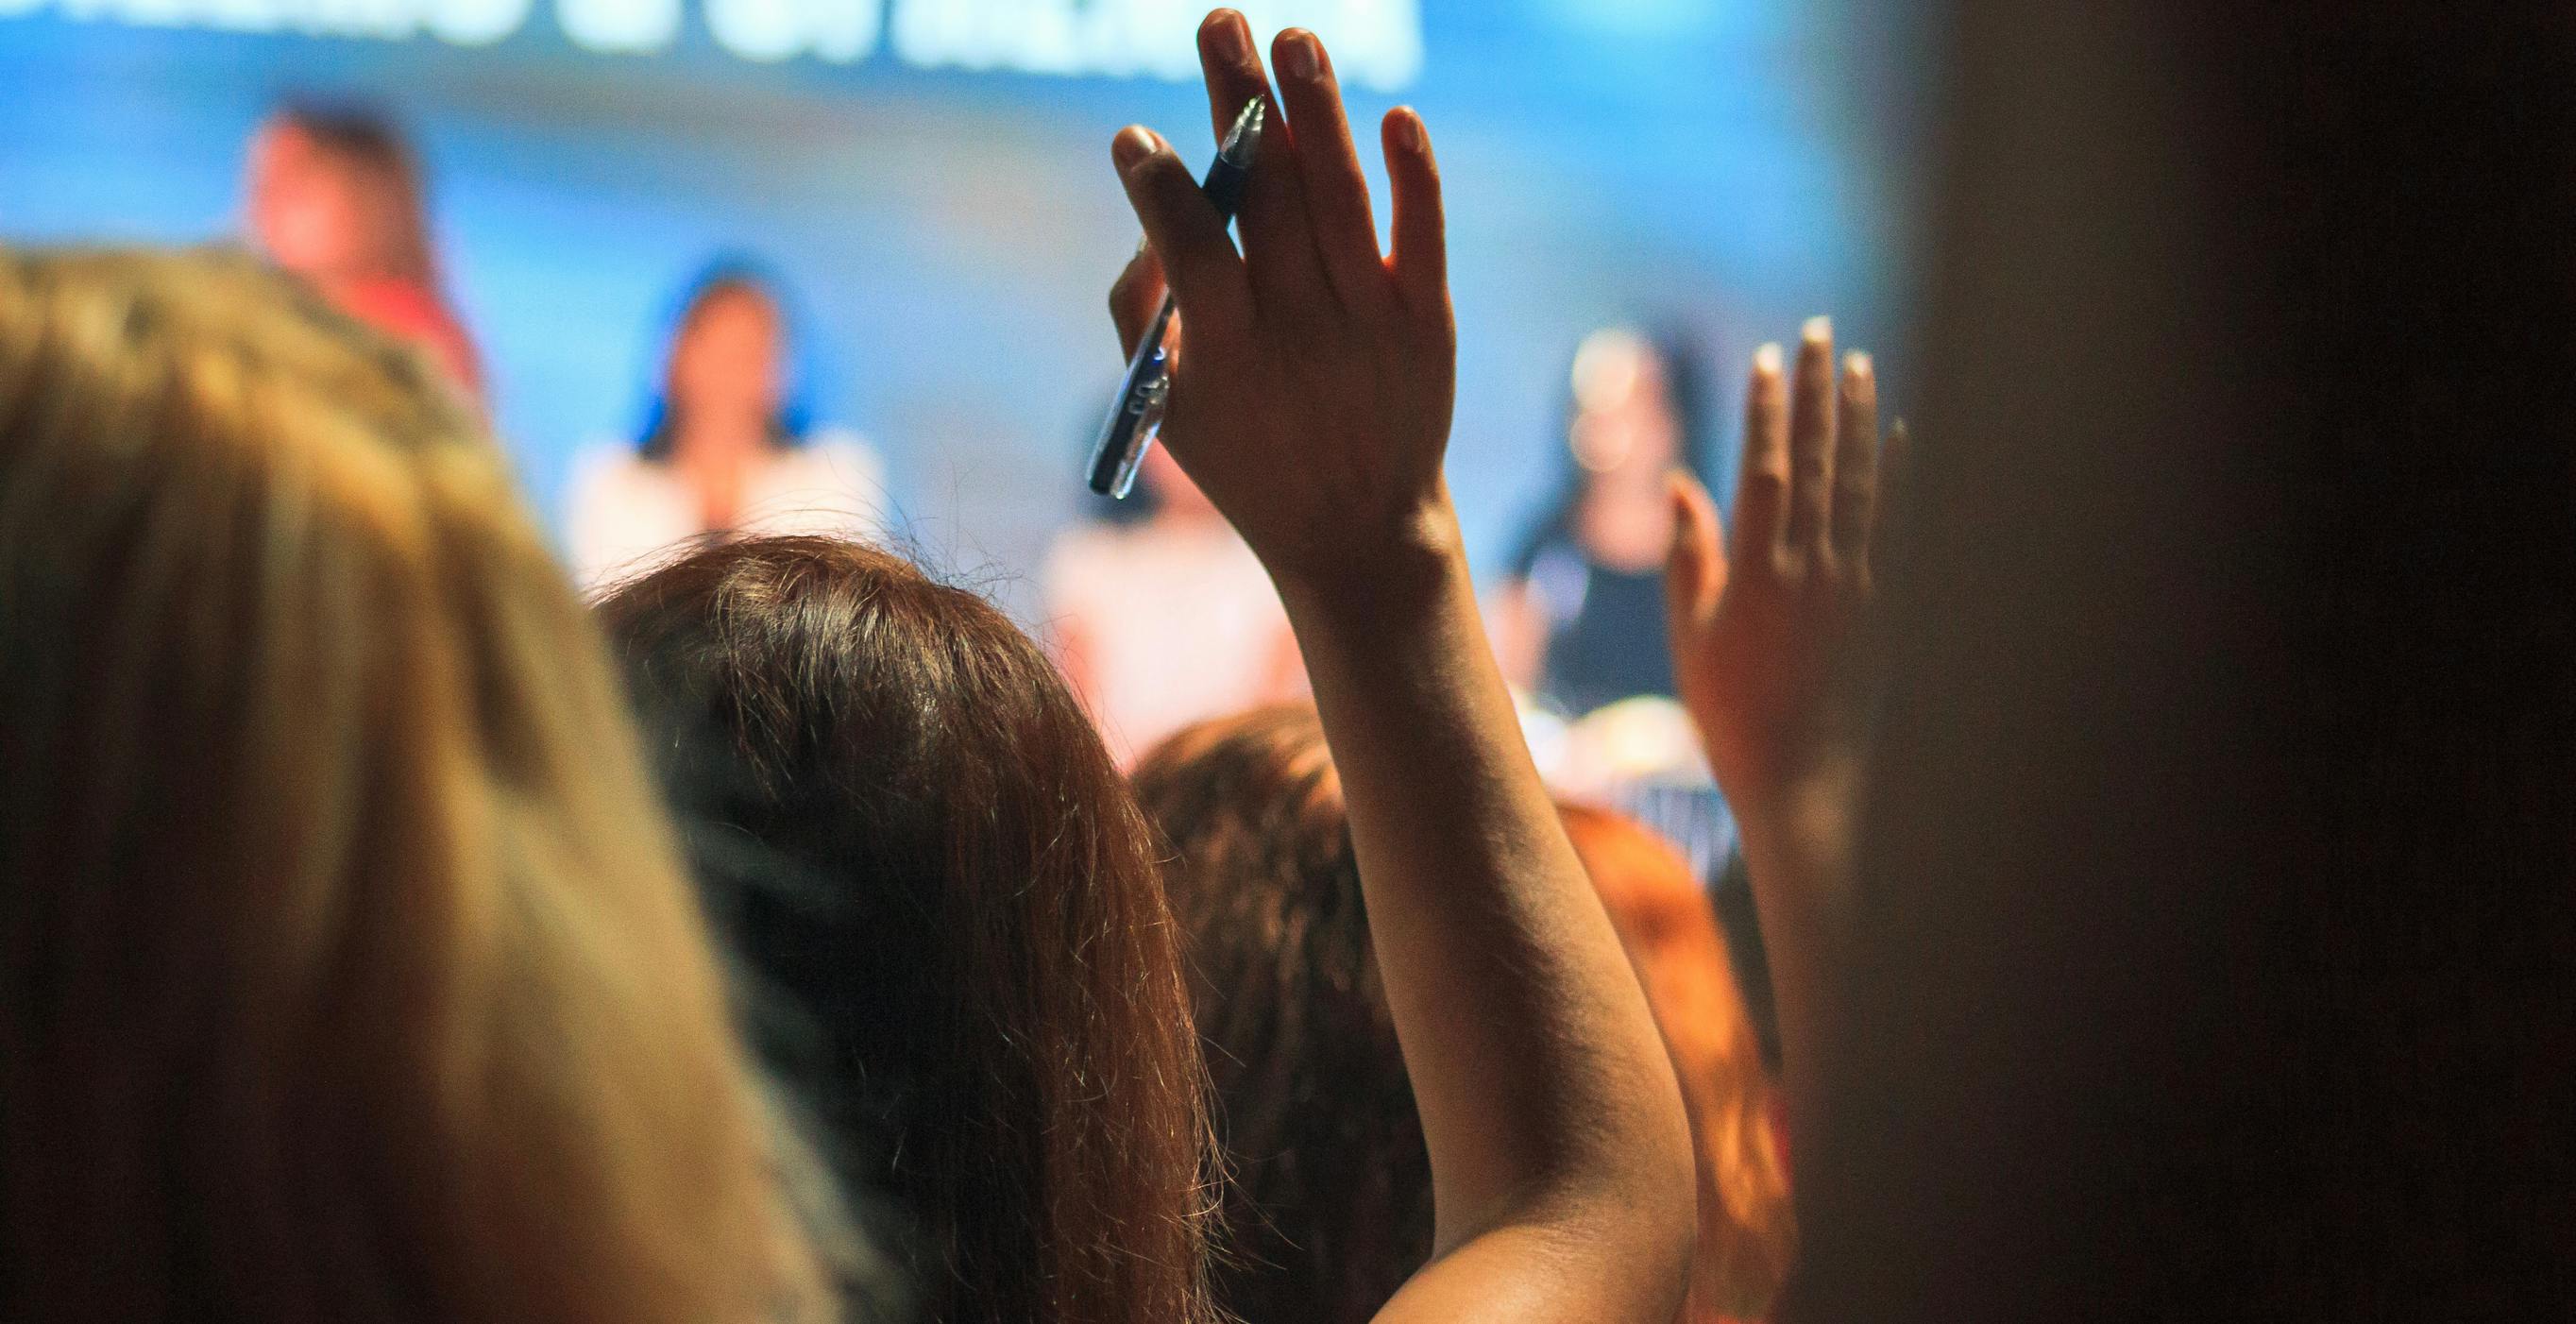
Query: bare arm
(1312, 402)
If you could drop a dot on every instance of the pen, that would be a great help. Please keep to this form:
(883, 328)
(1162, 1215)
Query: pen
(1138, 410)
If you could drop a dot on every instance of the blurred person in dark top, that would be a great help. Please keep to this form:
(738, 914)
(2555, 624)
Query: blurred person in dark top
(1579, 622)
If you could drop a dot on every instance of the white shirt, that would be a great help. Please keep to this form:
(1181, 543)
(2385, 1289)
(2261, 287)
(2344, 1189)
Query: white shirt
(628, 515)
(1176, 625)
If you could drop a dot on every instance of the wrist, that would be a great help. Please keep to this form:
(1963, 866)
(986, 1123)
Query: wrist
(1385, 568)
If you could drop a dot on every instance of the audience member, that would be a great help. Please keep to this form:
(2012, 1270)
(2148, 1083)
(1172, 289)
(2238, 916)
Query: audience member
(347, 971)
(1315, 417)
(334, 196)
(915, 836)
(1168, 619)
(1579, 620)
(2205, 906)
(1329, 1209)
(1331, 1204)
(728, 444)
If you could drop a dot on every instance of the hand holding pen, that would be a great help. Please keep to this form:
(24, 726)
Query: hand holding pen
(1312, 378)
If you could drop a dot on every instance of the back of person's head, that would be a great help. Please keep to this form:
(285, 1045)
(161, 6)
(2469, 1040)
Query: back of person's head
(1330, 1207)
(920, 842)
(347, 971)
(1666, 922)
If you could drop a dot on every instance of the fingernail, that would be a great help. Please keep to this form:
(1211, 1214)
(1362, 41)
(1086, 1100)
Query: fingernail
(1818, 330)
(1132, 145)
(1297, 56)
(1408, 131)
(1142, 243)
(1766, 360)
(1856, 363)
(1233, 42)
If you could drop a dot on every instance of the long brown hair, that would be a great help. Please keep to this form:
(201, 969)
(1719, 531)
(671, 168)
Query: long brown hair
(1670, 930)
(1329, 1209)
(920, 841)
(347, 971)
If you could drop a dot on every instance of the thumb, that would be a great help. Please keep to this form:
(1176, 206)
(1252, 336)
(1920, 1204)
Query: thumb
(1695, 568)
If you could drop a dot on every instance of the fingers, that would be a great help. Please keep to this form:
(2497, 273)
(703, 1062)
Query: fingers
(1207, 279)
(1135, 297)
(1233, 71)
(1855, 463)
(1337, 199)
(1695, 568)
(1278, 243)
(1811, 440)
(1421, 256)
(1762, 490)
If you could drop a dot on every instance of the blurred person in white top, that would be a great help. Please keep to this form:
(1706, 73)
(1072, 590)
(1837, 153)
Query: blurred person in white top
(1166, 619)
(726, 446)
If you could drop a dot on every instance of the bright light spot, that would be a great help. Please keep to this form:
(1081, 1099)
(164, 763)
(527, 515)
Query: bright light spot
(620, 27)
(476, 22)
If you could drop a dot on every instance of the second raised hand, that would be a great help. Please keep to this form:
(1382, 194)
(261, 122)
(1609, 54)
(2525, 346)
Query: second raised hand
(1313, 376)
(1762, 621)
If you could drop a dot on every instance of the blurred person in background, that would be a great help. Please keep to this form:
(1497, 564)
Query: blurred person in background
(1330, 1208)
(1161, 615)
(334, 196)
(728, 443)
(347, 967)
(1579, 620)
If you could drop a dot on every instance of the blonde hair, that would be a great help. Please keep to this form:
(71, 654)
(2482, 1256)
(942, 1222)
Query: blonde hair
(1664, 919)
(347, 971)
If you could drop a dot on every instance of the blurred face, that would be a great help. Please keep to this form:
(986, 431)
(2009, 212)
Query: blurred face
(308, 210)
(729, 362)
(1626, 432)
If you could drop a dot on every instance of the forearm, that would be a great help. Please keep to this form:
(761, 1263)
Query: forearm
(1539, 1076)
(1798, 854)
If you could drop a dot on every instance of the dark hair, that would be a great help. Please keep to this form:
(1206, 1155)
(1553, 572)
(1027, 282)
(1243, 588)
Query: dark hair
(728, 275)
(1330, 1206)
(915, 834)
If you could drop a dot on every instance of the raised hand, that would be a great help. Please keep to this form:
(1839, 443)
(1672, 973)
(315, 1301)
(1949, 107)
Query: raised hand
(1763, 621)
(1310, 400)
(1313, 377)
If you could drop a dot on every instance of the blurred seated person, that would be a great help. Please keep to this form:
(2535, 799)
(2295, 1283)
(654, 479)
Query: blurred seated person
(1162, 617)
(1579, 622)
(726, 445)
(334, 197)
